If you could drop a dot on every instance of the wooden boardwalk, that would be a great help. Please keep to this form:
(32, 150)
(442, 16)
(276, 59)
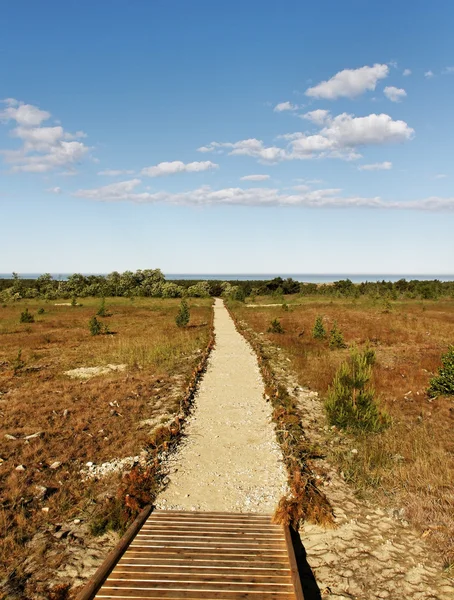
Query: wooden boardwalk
(207, 556)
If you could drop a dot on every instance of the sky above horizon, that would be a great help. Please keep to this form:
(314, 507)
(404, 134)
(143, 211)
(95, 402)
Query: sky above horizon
(227, 137)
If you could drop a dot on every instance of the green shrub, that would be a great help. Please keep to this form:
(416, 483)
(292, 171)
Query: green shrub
(319, 331)
(443, 383)
(275, 327)
(18, 363)
(97, 327)
(26, 317)
(41, 311)
(350, 403)
(336, 338)
(183, 316)
(285, 307)
(74, 301)
(102, 310)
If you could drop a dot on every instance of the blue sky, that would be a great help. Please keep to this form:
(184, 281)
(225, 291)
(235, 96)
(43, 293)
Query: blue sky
(227, 137)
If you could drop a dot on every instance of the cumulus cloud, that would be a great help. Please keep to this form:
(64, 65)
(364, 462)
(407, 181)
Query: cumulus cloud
(394, 94)
(349, 83)
(283, 106)
(338, 138)
(428, 74)
(177, 166)
(43, 148)
(205, 196)
(319, 116)
(255, 177)
(383, 166)
(406, 72)
(115, 172)
(250, 147)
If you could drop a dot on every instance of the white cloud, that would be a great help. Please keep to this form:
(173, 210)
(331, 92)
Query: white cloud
(394, 94)
(250, 147)
(255, 177)
(205, 196)
(115, 172)
(428, 74)
(440, 176)
(285, 106)
(43, 148)
(339, 138)
(448, 71)
(177, 166)
(383, 166)
(24, 114)
(349, 83)
(406, 72)
(319, 116)
(54, 190)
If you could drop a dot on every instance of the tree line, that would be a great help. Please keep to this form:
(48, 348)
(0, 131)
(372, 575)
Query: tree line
(152, 283)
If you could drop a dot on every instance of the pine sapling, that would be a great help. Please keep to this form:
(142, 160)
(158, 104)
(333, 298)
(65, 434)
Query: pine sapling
(319, 331)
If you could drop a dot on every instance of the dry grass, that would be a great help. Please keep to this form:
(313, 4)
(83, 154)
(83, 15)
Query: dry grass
(79, 421)
(411, 465)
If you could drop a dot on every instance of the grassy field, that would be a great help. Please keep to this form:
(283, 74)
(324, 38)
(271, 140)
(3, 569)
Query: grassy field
(82, 420)
(410, 465)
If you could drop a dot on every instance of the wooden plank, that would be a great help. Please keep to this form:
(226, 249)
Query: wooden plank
(293, 565)
(198, 593)
(205, 556)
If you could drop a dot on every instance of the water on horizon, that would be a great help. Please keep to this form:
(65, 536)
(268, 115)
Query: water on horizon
(302, 277)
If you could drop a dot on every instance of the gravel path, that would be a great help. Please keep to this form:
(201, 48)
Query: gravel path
(230, 460)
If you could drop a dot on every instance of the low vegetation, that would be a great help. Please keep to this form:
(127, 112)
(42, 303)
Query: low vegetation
(390, 401)
(63, 437)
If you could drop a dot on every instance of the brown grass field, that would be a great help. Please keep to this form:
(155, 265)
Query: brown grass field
(77, 420)
(410, 465)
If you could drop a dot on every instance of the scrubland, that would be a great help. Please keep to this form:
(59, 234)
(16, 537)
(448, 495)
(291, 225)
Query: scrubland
(53, 425)
(408, 467)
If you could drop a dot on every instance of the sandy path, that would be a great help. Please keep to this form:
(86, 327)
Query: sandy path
(230, 460)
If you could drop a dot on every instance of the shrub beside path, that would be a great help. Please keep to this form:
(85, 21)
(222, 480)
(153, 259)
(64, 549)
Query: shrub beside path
(230, 460)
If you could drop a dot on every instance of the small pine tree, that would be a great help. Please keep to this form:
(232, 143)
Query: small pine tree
(319, 331)
(26, 317)
(275, 327)
(443, 383)
(74, 301)
(102, 310)
(285, 307)
(336, 338)
(183, 316)
(350, 403)
(95, 326)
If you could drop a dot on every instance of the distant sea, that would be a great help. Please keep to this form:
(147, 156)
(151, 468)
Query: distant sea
(304, 277)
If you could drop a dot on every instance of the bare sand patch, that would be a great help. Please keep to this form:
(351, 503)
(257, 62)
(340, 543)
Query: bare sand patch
(89, 372)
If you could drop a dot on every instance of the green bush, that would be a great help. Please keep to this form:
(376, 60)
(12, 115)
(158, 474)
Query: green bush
(26, 317)
(183, 316)
(74, 301)
(41, 311)
(319, 331)
(443, 383)
(96, 327)
(285, 307)
(350, 403)
(102, 310)
(336, 338)
(275, 327)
